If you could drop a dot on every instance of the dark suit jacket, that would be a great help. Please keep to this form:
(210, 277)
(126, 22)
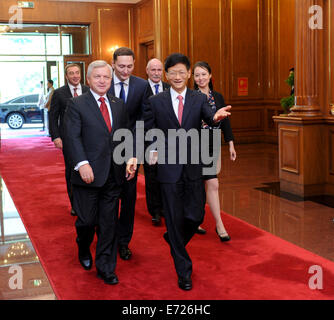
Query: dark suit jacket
(159, 113)
(225, 124)
(88, 138)
(59, 101)
(136, 97)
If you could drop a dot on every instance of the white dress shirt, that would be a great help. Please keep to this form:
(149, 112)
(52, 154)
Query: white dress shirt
(79, 89)
(117, 86)
(175, 100)
(97, 97)
(152, 84)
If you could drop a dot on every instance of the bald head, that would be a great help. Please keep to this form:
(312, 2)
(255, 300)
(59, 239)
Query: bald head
(154, 70)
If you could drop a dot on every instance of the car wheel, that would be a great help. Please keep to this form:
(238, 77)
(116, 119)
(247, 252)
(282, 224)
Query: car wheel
(15, 121)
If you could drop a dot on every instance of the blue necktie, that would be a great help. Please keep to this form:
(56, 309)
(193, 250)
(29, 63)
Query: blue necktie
(156, 88)
(122, 92)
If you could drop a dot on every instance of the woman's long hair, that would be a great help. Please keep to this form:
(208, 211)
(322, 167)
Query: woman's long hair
(204, 65)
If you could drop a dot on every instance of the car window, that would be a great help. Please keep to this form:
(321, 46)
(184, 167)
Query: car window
(18, 100)
(32, 98)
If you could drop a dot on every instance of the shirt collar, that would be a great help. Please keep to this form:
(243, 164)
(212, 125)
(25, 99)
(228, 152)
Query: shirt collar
(175, 94)
(152, 84)
(117, 81)
(97, 96)
(72, 86)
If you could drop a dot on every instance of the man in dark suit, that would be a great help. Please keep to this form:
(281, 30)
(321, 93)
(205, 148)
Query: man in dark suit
(132, 90)
(182, 187)
(90, 123)
(154, 70)
(59, 101)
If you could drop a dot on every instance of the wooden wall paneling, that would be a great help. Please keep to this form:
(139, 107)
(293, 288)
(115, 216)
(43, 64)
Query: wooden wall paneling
(173, 34)
(331, 56)
(269, 25)
(286, 44)
(247, 119)
(246, 47)
(145, 16)
(314, 156)
(205, 33)
(51, 12)
(114, 29)
(144, 33)
(330, 162)
(289, 149)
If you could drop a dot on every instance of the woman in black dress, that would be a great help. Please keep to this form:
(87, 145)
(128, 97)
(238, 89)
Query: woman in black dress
(202, 82)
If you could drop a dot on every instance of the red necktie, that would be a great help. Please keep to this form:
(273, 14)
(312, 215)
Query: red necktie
(75, 92)
(180, 110)
(105, 113)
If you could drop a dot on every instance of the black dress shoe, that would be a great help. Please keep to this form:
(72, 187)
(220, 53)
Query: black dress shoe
(223, 236)
(185, 283)
(108, 278)
(166, 237)
(156, 220)
(73, 213)
(85, 257)
(200, 230)
(124, 252)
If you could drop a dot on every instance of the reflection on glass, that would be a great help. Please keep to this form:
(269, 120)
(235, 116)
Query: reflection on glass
(52, 43)
(44, 40)
(12, 86)
(12, 227)
(30, 44)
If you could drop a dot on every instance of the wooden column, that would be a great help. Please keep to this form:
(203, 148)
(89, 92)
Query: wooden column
(302, 135)
(308, 60)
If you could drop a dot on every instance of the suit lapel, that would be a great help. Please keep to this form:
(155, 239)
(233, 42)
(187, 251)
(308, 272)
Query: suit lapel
(169, 106)
(130, 91)
(112, 88)
(84, 88)
(96, 110)
(150, 92)
(68, 91)
(114, 112)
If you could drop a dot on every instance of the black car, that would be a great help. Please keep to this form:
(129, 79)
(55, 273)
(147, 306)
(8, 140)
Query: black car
(21, 110)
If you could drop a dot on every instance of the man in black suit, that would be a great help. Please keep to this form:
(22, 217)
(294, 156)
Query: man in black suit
(59, 101)
(132, 90)
(90, 123)
(154, 70)
(182, 187)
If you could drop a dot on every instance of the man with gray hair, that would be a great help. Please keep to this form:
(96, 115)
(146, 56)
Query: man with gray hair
(90, 122)
(154, 70)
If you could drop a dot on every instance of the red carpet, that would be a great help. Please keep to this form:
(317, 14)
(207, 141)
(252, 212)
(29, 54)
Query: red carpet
(253, 265)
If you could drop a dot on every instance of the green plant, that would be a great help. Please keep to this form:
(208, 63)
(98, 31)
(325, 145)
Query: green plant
(288, 102)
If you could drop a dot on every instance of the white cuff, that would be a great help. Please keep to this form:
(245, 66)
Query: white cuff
(81, 163)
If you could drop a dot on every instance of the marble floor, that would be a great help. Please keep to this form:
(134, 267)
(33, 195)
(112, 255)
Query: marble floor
(249, 190)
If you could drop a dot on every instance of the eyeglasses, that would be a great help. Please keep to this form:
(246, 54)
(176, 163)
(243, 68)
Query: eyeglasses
(173, 74)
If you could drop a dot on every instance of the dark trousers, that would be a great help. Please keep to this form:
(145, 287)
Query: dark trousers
(68, 169)
(97, 210)
(183, 204)
(152, 190)
(127, 214)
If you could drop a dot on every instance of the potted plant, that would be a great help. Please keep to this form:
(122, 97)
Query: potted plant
(288, 102)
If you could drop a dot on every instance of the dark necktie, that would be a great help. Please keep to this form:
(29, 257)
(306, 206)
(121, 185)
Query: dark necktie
(75, 92)
(156, 88)
(105, 112)
(180, 109)
(122, 92)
